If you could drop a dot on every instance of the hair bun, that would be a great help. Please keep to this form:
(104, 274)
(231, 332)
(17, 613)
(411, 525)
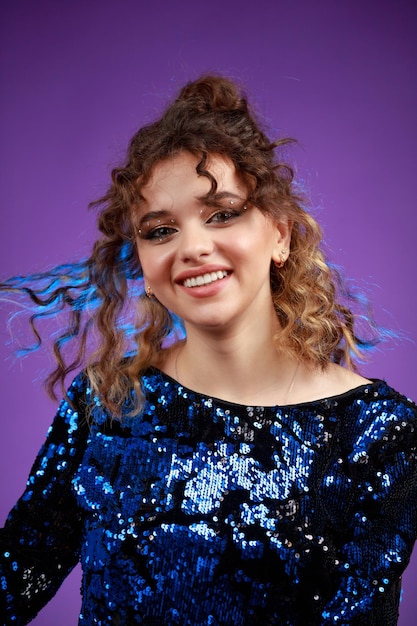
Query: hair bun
(210, 93)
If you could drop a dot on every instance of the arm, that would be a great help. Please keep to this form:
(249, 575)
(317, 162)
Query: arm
(382, 527)
(40, 542)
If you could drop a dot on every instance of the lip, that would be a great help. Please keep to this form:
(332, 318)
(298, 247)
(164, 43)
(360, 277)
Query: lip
(200, 271)
(207, 290)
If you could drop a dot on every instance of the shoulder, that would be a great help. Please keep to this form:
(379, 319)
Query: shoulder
(76, 406)
(370, 400)
(378, 422)
(334, 380)
(367, 411)
(79, 394)
(339, 380)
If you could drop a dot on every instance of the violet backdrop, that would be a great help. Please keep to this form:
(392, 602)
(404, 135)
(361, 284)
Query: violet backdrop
(78, 78)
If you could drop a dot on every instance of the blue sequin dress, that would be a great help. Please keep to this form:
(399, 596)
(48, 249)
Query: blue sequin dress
(202, 512)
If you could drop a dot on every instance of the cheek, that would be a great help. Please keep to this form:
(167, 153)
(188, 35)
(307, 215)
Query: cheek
(153, 262)
(250, 245)
(143, 259)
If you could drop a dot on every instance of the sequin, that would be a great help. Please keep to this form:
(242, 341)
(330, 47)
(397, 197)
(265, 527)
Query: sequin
(202, 512)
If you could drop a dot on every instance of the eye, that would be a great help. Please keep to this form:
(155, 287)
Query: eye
(224, 216)
(159, 233)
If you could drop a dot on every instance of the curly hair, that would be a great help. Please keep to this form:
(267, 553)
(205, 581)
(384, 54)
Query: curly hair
(210, 116)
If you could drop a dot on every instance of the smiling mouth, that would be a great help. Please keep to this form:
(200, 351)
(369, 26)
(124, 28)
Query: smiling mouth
(204, 279)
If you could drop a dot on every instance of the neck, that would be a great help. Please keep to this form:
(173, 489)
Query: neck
(243, 367)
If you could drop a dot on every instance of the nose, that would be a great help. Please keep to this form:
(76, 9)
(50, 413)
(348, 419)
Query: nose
(195, 242)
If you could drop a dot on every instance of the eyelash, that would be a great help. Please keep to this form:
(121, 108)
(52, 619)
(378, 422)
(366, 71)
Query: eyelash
(163, 231)
(225, 212)
(157, 233)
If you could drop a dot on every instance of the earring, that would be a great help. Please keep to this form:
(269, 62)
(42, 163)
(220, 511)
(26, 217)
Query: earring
(282, 258)
(148, 292)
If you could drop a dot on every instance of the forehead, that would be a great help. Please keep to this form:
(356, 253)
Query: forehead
(178, 176)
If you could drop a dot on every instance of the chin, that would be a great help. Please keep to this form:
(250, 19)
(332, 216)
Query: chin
(215, 323)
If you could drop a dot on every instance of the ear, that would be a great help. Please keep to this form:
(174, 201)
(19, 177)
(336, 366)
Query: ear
(281, 249)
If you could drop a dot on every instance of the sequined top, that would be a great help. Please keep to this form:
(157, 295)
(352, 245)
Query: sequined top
(202, 512)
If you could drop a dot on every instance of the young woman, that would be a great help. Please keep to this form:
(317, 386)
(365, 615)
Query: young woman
(222, 463)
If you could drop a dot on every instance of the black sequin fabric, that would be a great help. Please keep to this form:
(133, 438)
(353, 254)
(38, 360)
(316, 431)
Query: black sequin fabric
(201, 512)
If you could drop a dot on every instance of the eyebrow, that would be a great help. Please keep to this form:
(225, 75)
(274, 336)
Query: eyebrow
(206, 199)
(221, 195)
(153, 215)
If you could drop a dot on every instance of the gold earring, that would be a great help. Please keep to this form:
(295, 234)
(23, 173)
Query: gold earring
(282, 258)
(149, 292)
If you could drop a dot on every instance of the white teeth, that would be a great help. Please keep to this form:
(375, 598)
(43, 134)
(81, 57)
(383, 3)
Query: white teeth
(205, 279)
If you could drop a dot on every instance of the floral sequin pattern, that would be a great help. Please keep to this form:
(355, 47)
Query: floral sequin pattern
(230, 476)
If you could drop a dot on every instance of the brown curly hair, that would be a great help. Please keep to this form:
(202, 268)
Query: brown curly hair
(210, 116)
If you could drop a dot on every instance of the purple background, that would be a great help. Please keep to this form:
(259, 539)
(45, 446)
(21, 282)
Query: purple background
(78, 78)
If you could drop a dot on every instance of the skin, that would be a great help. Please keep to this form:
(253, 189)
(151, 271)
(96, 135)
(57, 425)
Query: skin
(227, 249)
